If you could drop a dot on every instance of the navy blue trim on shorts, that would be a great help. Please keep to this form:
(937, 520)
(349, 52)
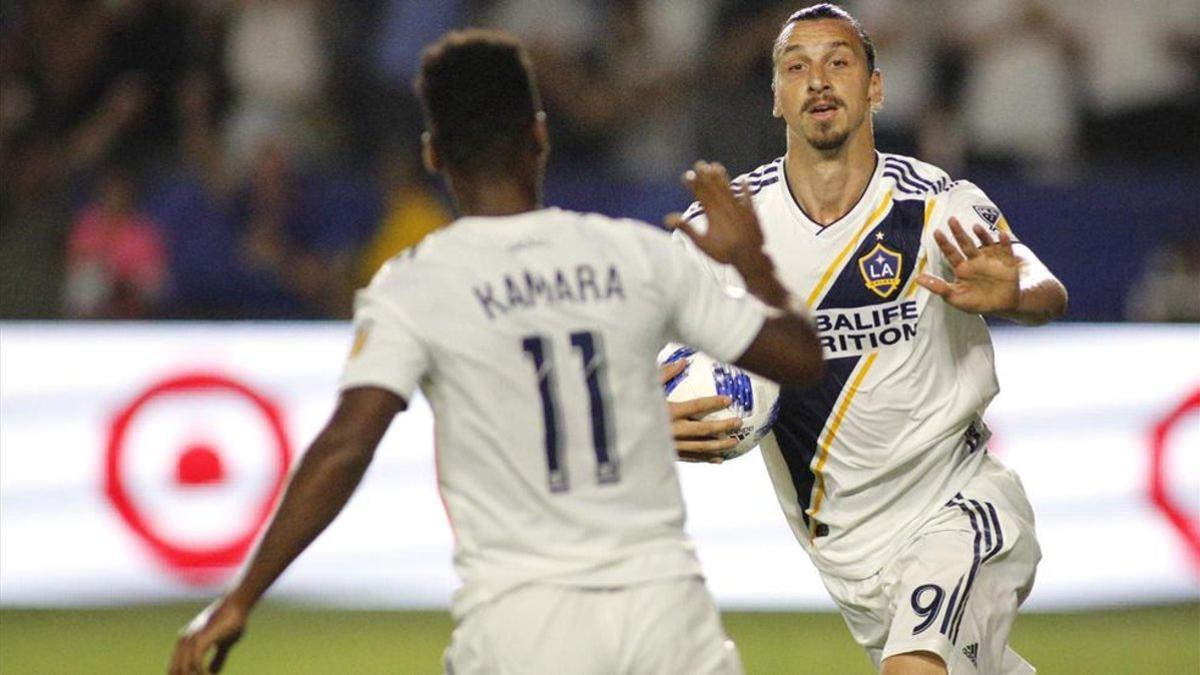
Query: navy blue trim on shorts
(989, 540)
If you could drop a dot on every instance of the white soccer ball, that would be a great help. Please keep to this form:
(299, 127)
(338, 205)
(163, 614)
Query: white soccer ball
(755, 399)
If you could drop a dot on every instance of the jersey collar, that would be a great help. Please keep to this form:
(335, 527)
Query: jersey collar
(856, 212)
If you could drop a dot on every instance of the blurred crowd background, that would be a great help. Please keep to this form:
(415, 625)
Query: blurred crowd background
(259, 159)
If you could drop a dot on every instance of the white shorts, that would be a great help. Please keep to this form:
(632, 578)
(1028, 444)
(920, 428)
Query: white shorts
(670, 626)
(955, 585)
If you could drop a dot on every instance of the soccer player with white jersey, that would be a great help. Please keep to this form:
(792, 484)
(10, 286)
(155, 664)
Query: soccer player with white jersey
(533, 332)
(924, 540)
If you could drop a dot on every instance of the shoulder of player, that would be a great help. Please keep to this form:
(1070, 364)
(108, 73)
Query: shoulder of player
(635, 242)
(653, 244)
(605, 230)
(416, 260)
(914, 179)
(761, 177)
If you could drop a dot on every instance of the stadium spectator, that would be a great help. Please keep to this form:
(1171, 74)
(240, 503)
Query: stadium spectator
(908, 42)
(34, 219)
(1169, 288)
(1022, 57)
(148, 44)
(277, 64)
(736, 84)
(1140, 64)
(651, 62)
(400, 29)
(564, 39)
(116, 262)
(284, 270)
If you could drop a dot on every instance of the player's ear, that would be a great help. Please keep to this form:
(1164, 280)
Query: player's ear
(875, 91)
(429, 155)
(541, 134)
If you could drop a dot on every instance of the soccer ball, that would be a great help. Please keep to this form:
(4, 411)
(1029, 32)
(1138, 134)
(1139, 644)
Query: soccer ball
(755, 400)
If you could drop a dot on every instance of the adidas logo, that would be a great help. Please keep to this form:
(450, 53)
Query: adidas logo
(971, 651)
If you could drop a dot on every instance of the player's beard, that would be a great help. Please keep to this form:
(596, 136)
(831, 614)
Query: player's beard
(829, 140)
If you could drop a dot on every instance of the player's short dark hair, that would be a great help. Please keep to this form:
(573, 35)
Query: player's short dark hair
(480, 99)
(828, 10)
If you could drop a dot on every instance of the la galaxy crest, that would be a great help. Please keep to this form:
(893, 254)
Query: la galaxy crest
(881, 270)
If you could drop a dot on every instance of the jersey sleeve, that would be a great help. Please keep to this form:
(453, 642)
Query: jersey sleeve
(970, 206)
(717, 318)
(387, 353)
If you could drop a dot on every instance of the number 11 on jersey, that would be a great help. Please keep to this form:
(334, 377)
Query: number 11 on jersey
(591, 353)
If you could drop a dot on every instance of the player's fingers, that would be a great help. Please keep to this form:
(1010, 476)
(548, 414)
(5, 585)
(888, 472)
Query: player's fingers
(218, 661)
(704, 429)
(701, 458)
(703, 185)
(713, 182)
(707, 446)
(965, 243)
(949, 250)
(672, 220)
(701, 175)
(1006, 242)
(985, 237)
(688, 178)
(179, 657)
(718, 174)
(699, 407)
(933, 284)
(669, 371)
(196, 656)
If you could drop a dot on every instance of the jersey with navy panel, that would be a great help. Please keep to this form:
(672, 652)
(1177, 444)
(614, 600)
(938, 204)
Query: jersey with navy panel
(894, 429)
(533, 337)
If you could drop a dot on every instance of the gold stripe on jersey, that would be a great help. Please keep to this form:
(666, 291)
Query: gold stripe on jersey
(872, 220)
(830, 434)
(912, 281)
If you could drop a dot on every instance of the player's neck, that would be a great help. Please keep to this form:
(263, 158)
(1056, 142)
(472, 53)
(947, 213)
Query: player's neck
(494, 197)
(827, 184)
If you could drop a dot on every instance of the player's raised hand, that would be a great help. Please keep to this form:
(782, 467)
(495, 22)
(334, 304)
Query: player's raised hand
(217, 627)
(733, 229)
(987, 278)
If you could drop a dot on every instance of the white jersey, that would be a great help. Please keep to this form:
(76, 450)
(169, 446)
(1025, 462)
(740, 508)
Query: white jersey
(895, 428)
(534, 339)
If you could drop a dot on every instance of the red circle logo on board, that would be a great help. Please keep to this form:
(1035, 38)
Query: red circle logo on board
(1185, 524)
(161, 492)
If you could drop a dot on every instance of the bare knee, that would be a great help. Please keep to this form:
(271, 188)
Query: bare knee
(914, 663)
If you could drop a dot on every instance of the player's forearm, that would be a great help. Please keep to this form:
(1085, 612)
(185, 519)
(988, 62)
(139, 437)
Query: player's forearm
(758, 273)
(322, 484)
(1042, 299)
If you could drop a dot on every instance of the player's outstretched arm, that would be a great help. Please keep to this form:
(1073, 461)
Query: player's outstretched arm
(996, 277)
(786, 349)
(322, 484)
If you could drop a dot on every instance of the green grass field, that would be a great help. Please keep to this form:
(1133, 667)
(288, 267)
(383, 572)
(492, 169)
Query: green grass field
(1150, 641)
